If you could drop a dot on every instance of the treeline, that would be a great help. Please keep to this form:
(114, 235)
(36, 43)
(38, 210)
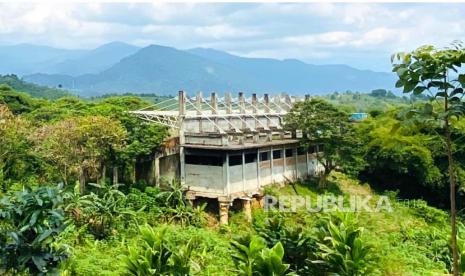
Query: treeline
(71, 139)
(34, 90)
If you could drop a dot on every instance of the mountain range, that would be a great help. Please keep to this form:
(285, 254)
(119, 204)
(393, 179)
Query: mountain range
(119, 67)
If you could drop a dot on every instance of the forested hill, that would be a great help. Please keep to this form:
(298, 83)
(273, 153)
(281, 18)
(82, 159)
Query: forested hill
(119, 68)
(34, 90)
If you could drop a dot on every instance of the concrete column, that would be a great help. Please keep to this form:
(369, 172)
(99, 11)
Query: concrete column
(227, 102)
(198, 103)
(214, 107)
(271, 164)
(182, 111)
(266, 102)
(247, 208)
(258, 169)
(243, 171)
(284, 159)
(224, 211)
(226, 174)
(182, 102)
(254, 103)
(156, 167)
(288, 101)
(255, 110)
(242, 109)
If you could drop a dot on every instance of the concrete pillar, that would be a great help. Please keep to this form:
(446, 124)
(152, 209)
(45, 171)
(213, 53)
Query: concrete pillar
(226, 175)
(271, 164)
(182, 102)
(284, 159)
(224, 211)
(242, 109)
(156, 167)
(255, 110)
(266, 102)
(214, 107)
(182, 111)
(288, 101)
(198, 103)
(258, 170)
(254, 103)
(227, 102)
(247, 208)
(243, 172)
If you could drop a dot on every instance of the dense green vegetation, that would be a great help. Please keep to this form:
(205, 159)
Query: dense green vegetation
(32, 89)
(72, 204)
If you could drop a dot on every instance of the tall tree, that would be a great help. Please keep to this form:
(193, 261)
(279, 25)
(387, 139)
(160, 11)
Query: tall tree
(79, 146)
(15, 161)
(322, 123)
(437, 72)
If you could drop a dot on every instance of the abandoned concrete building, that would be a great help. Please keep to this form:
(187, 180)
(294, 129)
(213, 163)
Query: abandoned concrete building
(228, 148)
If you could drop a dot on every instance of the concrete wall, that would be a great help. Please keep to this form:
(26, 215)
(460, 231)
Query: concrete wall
(169, 167)
(235, 178)
(246, 172)
(203, 178)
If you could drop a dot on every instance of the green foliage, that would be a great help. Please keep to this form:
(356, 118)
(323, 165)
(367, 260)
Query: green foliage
(102, 210)
(255, 258)
(32, 89)
(31, 222)
(156, 256)
(298, 246)
(342, 249)
(323, 123)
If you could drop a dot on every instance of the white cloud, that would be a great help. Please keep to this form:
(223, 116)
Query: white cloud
(359, 34)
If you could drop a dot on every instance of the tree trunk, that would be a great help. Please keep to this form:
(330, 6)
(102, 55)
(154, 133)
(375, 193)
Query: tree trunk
(133, 173)
(82, 181)
(115, 175)
(4, 188)
(452, 183)
(104, 174)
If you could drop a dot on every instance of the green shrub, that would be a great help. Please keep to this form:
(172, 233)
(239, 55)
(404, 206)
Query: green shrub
(341, 247)
(32, 221)
(255, 258)
(156, 256)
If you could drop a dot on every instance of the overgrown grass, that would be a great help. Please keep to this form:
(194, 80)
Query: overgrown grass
(411, 240)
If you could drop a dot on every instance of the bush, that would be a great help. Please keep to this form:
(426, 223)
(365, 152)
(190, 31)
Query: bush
(341, 247)
(156, 256)
(32, 222)
(253, 257)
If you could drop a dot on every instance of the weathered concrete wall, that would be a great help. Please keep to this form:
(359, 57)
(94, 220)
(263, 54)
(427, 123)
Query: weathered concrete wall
(265, 173)
(250, 173)
(169, 167)
(302, 170)
(278, 170)
(203, 178)
(235, 178)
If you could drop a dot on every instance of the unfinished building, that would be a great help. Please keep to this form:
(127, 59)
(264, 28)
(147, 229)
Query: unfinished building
(228, 147)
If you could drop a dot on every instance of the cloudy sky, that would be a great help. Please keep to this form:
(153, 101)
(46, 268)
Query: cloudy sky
(361, 35)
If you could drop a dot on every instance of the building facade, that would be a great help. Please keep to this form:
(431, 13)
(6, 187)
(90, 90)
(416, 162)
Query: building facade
(229, 148)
